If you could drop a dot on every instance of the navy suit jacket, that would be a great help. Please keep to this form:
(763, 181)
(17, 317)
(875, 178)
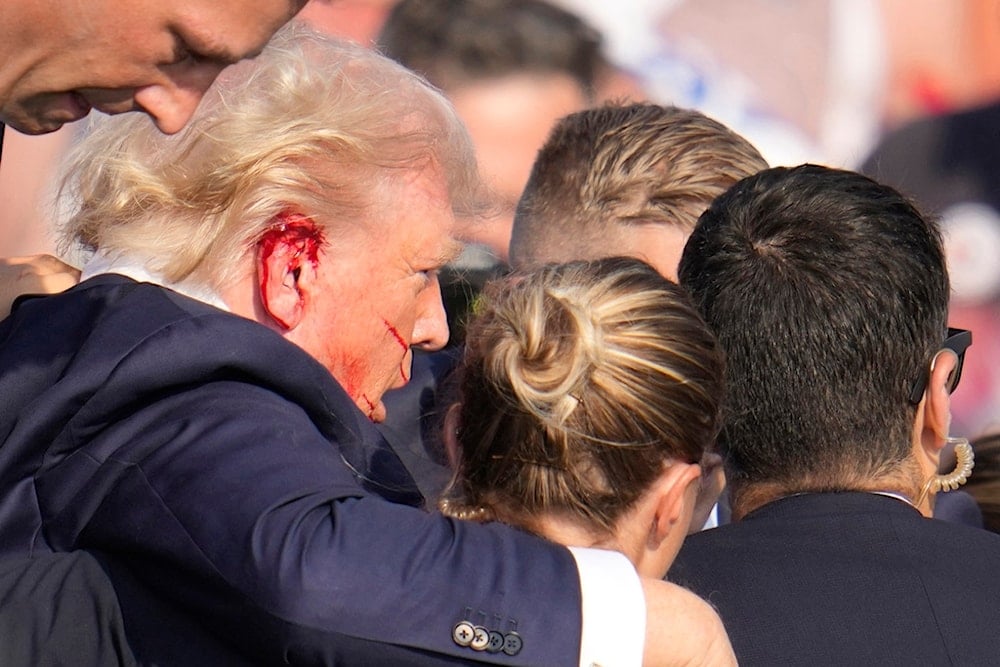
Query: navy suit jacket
(415, 418)
(237, 497)
(849, 579)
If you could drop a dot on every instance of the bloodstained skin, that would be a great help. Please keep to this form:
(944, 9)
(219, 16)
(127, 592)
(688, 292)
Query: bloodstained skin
(295, 230)
(371, 406)
(402, 344)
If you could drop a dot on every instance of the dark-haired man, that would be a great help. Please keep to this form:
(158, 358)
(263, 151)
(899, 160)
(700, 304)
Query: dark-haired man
(829, 295)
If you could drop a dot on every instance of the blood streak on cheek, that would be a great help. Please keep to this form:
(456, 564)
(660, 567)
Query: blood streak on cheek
(402, 343)
(292, 230)
(395, 334)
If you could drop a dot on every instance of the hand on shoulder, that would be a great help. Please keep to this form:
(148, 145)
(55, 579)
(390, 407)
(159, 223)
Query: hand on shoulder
(35, 274)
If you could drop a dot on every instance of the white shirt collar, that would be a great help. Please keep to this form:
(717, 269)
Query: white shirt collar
(131, 267)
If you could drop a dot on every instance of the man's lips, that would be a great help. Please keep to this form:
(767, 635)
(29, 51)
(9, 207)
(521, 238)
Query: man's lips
(110, 102)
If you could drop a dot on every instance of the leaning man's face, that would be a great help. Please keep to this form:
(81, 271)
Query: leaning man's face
(381, 294)
(128, 55)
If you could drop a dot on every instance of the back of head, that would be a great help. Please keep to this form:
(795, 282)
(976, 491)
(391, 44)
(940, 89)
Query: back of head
(828, 293)
(455, 42)
(312, 125)
(605, 170)
(579, 382)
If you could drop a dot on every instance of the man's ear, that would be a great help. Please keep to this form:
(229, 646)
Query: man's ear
(933, 418)
(676, 488)
(710, 487)
(287, 263)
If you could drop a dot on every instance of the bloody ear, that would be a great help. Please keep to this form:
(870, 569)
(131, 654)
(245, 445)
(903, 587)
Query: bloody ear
(289, 245)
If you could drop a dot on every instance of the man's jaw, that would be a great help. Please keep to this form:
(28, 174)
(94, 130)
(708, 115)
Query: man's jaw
(374, 409)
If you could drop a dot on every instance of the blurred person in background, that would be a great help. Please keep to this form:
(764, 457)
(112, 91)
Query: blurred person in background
(947, 163)
(511, 68)
(984, 482)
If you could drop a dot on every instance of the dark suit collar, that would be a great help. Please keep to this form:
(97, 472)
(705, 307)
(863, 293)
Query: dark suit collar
(841, 502)
(273, 362)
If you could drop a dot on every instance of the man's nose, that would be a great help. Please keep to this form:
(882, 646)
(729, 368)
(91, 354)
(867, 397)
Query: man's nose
(171, 104)
(430, 331)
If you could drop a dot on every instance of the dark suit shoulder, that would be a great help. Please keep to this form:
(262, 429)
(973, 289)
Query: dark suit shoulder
(848, 579)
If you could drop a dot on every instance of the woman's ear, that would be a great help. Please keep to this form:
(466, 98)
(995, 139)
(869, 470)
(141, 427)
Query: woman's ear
(452, 423)
(677, 492)
(661, 518)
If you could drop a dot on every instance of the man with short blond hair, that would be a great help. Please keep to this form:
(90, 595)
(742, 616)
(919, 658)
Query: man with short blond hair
(626, 180)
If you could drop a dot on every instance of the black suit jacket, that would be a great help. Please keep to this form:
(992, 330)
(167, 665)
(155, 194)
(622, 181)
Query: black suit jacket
(236, 496)
(849, 579)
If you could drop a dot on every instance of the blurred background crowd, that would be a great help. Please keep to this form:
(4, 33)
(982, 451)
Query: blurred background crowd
(907, 91)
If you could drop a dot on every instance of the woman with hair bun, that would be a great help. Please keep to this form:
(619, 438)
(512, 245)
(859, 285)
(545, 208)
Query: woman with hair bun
(589, 397)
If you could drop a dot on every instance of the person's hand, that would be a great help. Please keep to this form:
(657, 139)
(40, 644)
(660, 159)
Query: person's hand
(713, 481)
(37, 274)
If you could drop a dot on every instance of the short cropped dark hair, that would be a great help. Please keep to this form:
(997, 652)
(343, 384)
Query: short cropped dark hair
(454, 42)
(828, 292)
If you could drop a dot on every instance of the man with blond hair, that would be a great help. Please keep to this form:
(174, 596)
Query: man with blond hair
(626, 180)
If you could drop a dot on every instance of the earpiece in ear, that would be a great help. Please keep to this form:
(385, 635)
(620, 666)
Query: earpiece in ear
(965, 460)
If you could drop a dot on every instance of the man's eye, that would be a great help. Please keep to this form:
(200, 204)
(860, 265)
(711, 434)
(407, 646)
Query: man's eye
(183, 56)
(429, 277)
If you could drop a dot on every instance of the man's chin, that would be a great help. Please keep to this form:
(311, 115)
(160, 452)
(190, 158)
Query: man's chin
(378, 413)
(46, 113)
(374, 410)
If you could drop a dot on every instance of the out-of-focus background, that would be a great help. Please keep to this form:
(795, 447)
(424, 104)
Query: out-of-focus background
(907, 91)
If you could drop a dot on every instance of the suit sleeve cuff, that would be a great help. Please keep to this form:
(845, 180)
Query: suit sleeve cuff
(613, 609)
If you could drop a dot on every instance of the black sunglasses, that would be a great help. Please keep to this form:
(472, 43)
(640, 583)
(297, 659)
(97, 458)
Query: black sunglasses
(958, 341)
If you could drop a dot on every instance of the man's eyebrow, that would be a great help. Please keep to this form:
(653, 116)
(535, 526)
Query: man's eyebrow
(451, 250)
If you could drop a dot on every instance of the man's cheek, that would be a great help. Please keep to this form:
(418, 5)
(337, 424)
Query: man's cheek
(396, 338)
(351, 372)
